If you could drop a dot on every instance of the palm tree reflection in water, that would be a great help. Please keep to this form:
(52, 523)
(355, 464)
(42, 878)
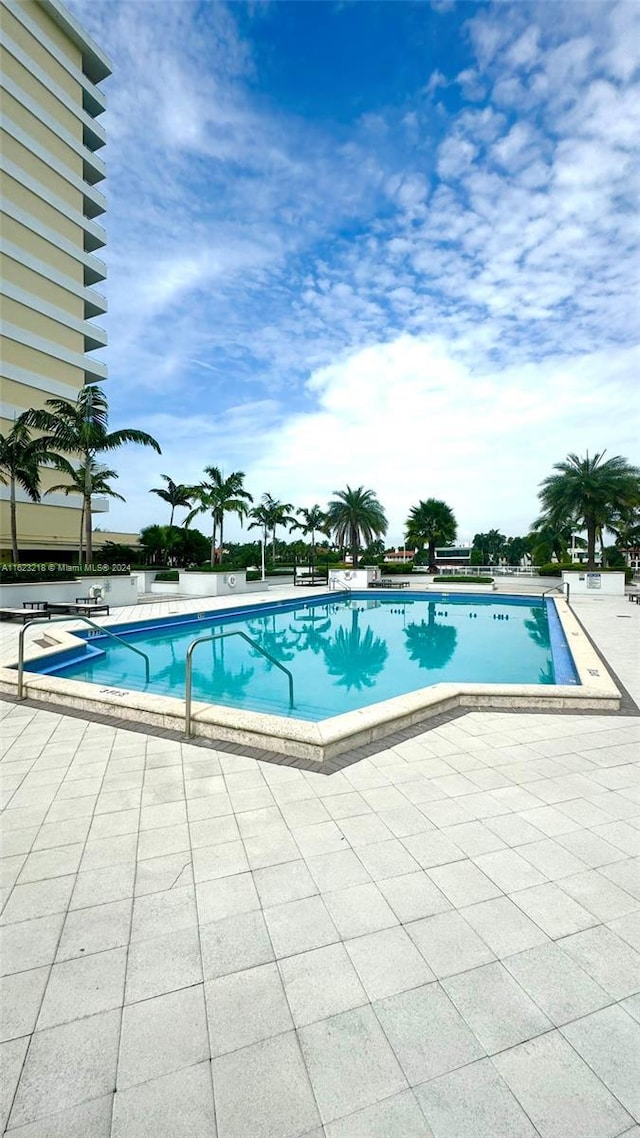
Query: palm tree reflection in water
(356, 658)
(429, 644)
(538, 629)
(312, 636)
(274, 640)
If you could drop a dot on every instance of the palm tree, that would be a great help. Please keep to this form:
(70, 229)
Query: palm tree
(20, 460)
(589, 491)
(207, 504)
(175, 494)
(230, 494)
(158, 542)
(314, 520)
(279, 514)
(429, 643)
(355, 517)
(82, 428)
(219, 496)
(77, 476)
(431, 523)
(550, 537)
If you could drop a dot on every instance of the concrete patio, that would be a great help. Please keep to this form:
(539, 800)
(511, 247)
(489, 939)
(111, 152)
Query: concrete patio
(439, 941)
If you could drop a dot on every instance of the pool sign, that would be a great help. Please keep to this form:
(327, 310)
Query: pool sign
(594, 580)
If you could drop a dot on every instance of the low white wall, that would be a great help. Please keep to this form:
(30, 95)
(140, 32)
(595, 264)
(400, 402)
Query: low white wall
(164, 587)
(594, 584)
(116, 591)
(352, 578)
(194, 584)
(144, 579)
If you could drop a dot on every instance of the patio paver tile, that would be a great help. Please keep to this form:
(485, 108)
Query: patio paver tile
(496, 1008)
(84, 986)
(560, 1093)
(359, 909)
(388, 962)
(609, 1041)
(163, 964)
(560, 988)
(162, 1035)
(612, 963)
(226, 896)
(413, 895)
(449, 944)
(471, 1102)
(20, 999)
(426, 1032)
(67, 1065)
(158, 913)
(350, 1063)
(263, 1091)
(554, 911)
(88, 1120)
(29, 944)
(463, 883)
(246, 1007)
(237, 942)
(338, 870)
(289, 881)
(321, 983)
(178, 1105)
(398, 1115)
(503, 926)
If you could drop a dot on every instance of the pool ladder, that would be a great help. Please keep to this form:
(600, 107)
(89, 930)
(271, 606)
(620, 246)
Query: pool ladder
(563, 585)
(57, 620)
(188, 676)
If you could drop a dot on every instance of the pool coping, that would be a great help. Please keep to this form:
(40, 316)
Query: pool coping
(319, 742)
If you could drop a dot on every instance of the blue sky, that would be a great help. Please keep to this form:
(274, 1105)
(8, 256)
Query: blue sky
(391, 244)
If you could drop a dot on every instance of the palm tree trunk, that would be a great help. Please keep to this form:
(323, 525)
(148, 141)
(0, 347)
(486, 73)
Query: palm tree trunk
(171, 518)
(14, 523)
(88, 555)
(221, 536)
(273, 545)
(81, 541)
(213, 539)
(591, 543)
(433, 568)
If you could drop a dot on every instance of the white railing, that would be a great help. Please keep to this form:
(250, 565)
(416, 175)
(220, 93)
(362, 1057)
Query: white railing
(486, 570)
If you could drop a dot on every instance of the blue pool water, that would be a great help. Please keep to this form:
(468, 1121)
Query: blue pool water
(343, 653)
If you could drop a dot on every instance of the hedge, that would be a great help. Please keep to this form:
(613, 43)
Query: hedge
(555, 569)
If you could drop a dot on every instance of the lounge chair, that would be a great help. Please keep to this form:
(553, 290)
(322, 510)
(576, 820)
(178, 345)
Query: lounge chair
(29, 611)
(84, 606)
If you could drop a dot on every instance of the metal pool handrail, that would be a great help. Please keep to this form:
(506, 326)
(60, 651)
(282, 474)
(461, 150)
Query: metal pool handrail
(188, 675)
(58, 620)
(561, 585)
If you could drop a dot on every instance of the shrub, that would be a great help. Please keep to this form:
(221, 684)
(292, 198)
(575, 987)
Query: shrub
(167, 575)
(388, 570)
(464, 579)
(553, 569)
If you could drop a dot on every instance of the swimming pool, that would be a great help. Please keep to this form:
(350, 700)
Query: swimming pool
(343, 653)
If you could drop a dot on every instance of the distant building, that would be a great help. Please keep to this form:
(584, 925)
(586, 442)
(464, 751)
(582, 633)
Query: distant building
(50, 234)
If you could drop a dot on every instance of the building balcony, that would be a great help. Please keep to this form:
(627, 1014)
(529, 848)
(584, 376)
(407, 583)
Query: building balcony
(95, 270)
(95, 236)
(94, 136)
(99, 505)
(94, 338)
(95, 304)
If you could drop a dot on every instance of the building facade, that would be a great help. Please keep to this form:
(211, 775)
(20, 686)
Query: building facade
(50, 240)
